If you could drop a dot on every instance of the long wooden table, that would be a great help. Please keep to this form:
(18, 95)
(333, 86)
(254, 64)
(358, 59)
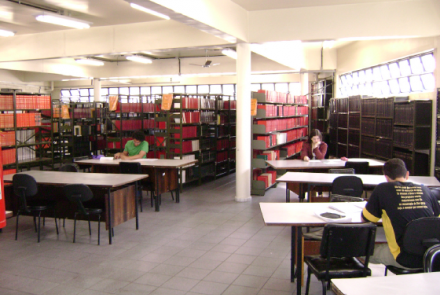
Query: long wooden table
(317, 166)
(163, 172)
(326, 164)
(326, 179)
(297, 215)
(421, 283)
(120, 199)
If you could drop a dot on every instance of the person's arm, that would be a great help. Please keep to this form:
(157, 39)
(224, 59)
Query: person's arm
(372, 211)
(320, 151)
(125, 156)
(304, 152)
(119, 155)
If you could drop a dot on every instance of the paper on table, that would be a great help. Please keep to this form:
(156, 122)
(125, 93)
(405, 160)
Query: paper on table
(146, 160)
(348, 208)
(331, 220)
(106, 159)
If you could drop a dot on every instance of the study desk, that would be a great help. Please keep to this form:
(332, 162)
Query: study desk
(326, 179)
(120, 201)
(325, 164)
(163, 172)
(317, 166)
(420, 283)
(297, 215)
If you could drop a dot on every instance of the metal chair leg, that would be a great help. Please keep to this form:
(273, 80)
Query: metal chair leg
(56, 223)
(39, 218)
(99, 228)
(16, 225)
(74, 228)
(308, 281)
(35, 223)
(90, 228)
(324, 288)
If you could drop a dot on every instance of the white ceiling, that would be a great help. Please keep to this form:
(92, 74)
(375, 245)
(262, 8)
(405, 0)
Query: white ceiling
(252, 5)
(20, 18)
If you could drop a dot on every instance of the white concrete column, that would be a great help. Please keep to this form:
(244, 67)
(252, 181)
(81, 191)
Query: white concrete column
(243, 165)
(305, 84)
(97, 89)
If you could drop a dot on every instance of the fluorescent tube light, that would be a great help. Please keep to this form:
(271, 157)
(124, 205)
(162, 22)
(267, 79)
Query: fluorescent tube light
(6, 33)
(89, 61)
(139, 58)
(62, 20)
(230, 52)
(141, 8)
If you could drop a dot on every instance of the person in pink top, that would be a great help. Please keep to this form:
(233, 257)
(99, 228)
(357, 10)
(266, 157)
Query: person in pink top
(314, 148)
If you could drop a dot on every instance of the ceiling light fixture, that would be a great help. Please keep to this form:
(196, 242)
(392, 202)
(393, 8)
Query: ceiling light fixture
(141, 8)
(89, 61)
(230, 52)
(139, 58)
(6, 33)
(62, 20)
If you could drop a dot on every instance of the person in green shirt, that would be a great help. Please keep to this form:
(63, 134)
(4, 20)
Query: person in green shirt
(134, 149)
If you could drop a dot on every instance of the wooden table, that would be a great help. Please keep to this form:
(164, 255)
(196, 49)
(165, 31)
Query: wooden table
(317, 166)
(326, 164)
(421, 283)
(120, 202)
(326, 179)
(163, 172)
(297, 215)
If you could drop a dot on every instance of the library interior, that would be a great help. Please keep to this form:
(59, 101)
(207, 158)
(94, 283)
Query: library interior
(248, 112)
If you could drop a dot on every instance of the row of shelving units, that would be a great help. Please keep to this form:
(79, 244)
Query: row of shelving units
(199, 127)
(79, 129)
(383, 128)
(437, 138)
(26, 133)
(278, 132)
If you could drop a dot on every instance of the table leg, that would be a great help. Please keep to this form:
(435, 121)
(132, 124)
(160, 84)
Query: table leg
(136, 205)
(309, 198)
(109, 212)
(287, 193)
(299, 264)
(292, 254)
(301, 193)
(157, 207)
(178, 189)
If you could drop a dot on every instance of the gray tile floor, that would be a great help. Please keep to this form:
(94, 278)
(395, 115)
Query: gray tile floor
(206, 244)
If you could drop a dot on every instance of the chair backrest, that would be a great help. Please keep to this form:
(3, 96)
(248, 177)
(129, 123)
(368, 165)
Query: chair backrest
(24, 186)
(69, 168)
(78, 193)
(359, 167)
(431, 259)
(348, 186)
(341, 198)
(342, 171)
(435, 192)
(130, 167)
(420, 234)
(348, 240)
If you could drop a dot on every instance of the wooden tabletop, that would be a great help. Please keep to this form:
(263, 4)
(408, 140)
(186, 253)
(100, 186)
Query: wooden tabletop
(91, 179)
(367, 179)
(319, 164)
(421, 283)
(159, 163)
(298, 214)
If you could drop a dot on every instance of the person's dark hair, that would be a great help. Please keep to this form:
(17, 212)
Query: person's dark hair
(314, 132)
(394, 168)
(138, 135)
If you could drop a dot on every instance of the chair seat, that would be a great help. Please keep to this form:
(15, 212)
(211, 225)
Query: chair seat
(94, 210)
(339, 267)
(403, 271)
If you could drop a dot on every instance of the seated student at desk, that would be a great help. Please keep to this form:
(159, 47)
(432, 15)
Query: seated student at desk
(387, 202)
(134, 149)
(314, 148)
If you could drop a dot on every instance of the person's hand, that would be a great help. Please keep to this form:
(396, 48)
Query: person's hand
(344, 159)
(306, 159)
(123, 157)
(117, 156)
(315, 145)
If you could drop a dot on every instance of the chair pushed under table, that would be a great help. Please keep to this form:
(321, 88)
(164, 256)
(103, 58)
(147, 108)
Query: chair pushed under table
(25, 188)
(341, 244)
(78, 194)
